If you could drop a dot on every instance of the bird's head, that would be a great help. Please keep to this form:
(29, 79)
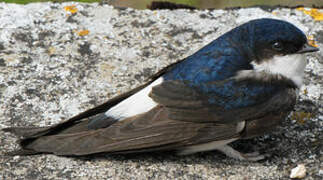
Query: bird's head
(278, 47)
(271, 37)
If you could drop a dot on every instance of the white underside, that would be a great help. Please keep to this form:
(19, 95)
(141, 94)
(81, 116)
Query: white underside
(205, 147)
(135, 104)
(290, 66)
(214, 145)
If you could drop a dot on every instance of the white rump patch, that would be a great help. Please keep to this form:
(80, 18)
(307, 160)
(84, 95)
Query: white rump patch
(290, 66)
(135, 104)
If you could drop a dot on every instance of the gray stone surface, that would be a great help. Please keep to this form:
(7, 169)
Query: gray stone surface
(48, 73)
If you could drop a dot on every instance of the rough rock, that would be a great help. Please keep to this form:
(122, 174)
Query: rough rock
(57, 60)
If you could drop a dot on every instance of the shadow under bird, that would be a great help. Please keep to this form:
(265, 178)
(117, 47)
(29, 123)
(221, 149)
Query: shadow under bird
(239, 86)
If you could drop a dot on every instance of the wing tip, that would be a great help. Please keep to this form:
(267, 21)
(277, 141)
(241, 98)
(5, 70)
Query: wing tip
(21, 152)
(9, 130)
(26, 132)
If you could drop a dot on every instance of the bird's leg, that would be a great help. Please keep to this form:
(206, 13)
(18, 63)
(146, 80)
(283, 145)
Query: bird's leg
(229, 151)
(224, 148)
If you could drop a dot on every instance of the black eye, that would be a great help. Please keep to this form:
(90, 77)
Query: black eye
(278, 46)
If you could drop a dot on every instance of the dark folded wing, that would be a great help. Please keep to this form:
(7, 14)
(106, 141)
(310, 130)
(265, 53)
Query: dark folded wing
(146, 132)
(227, 101)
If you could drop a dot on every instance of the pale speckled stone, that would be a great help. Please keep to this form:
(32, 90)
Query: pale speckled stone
(298, 172)
(48, 73)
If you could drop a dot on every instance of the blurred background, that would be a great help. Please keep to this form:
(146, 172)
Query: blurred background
(202, 4)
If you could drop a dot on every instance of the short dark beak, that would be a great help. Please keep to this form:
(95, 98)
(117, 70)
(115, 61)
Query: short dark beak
(307, 48)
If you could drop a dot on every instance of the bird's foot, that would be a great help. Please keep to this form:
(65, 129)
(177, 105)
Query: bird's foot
(254, 156)
(229, 151)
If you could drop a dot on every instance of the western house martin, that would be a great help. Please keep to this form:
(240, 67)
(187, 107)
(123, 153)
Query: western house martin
(241, 85)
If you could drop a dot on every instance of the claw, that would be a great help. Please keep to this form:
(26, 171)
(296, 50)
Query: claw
(256, 153)
(254, 156)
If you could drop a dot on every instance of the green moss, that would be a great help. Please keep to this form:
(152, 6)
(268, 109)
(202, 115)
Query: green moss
(31, 1)
(194, 3)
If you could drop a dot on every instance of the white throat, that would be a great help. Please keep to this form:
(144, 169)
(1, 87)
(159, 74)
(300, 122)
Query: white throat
(290, 66)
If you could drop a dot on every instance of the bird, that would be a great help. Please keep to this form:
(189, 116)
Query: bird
(241, 85)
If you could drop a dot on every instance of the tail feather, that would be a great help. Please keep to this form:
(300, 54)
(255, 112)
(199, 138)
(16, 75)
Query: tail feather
(35, 140)
(22, 152)
(27, 132)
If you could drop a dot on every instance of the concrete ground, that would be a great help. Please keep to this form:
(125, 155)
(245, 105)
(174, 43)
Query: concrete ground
(57, 60)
